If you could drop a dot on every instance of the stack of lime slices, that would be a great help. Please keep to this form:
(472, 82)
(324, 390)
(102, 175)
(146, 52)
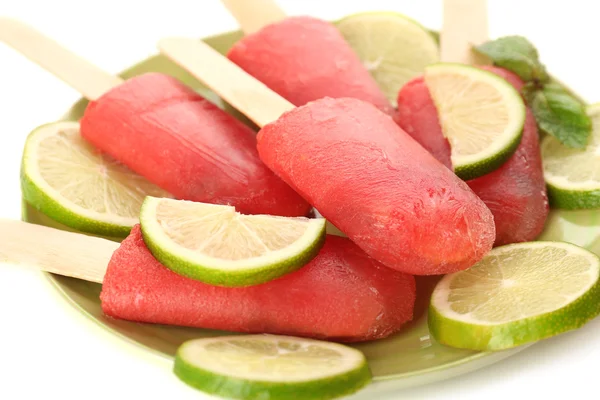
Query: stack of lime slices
(65, 178)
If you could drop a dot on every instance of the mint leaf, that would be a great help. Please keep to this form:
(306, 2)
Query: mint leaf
(516, 54)
(561, 115)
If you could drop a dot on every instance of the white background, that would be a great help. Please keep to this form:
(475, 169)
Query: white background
(49, 350)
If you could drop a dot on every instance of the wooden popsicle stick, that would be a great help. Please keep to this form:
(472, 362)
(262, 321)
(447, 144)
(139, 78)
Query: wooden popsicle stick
(253, 15)
(248, 95)
(51, 250)
(465, 25)
(83, 76)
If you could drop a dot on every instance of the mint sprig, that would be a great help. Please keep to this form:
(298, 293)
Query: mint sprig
(556, 111)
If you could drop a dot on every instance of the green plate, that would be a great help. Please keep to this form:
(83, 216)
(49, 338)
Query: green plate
(410, 357)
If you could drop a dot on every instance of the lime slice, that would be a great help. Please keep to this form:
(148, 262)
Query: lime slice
(219, 246)
(65, 178)
(573, 175)
(394, 48)
(516, 294)
(480, 113)
(271, 367)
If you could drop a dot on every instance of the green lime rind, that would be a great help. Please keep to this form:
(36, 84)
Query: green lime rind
(496, 337)
(189, 266)
(473, 166)
(49, 204)
(484, 167)
(237, 388)
(573, 199)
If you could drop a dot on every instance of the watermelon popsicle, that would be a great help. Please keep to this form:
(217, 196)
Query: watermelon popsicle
(180, 141)
(341, 295)
(301, 58)
(358, 168)
(164, 131)
(515, 192)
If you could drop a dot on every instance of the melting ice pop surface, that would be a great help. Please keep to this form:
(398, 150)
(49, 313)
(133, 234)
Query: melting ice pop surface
(516, 192)
(181, 142)
(341, 294)
(378, 186)
(304, 59)
(415, 107)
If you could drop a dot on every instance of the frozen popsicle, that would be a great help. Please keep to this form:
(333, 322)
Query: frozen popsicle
(358, 168)
(166, 132)
(415, 108)
(301, 58)
(341, 294)
(515, 192)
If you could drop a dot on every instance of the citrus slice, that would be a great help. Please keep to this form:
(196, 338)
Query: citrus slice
(481, 115)
(68, 180)
(271, 367)
(573, 175)
(517, 294)
(219, 246)
(392, 47)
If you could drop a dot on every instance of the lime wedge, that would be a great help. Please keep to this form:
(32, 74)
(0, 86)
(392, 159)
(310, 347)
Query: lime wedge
(219, 246)
(480, 113)
(573, 175)
(394, 48)
(65, 178)
(517, 294)
(271, 367)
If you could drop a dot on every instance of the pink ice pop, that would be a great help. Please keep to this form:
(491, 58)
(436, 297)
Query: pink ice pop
(378, 186)
(166, 132)
(342, 294)
(516, 192)
(304, 59)
(415, 108)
